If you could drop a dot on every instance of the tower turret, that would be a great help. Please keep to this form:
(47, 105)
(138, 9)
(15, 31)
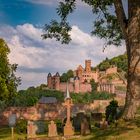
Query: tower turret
(57, 81)
(49, 80)
(88, 65)
(76, 84)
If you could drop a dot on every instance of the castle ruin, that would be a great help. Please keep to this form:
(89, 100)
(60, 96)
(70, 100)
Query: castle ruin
(107, 80)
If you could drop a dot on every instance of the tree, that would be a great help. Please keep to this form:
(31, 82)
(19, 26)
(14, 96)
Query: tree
(66, 76)
(111, 111)
(94, 85)
(114, 24)
(8, 80)
(119, 61)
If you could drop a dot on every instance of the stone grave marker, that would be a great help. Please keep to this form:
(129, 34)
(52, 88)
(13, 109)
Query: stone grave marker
(12, 120)
(12, 123)
(103, 124)
(31, 129)
(52, 129)
(85, 127)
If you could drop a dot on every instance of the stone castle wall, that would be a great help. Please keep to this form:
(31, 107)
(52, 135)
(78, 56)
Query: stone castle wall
(63, 86)
(55, 111)
(83, 76)
(111, 70)
(74, 86)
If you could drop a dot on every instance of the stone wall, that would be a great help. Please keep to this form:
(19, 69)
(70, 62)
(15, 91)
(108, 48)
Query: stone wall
(54, 111)
(111, 70)
(74, 85)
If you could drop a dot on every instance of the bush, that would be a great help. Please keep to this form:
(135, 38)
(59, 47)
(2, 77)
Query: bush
(30, 97)
(21, 126)
(111, 111)
(59, 125)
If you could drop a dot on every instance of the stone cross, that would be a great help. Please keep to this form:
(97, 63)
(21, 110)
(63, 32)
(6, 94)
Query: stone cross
(68, 128)
(52, 129)
(68, 104)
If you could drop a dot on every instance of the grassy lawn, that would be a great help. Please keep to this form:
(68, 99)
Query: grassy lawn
(124, 131)
(5, 134)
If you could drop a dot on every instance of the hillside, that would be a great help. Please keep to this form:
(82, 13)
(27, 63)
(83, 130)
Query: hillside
(119, 61)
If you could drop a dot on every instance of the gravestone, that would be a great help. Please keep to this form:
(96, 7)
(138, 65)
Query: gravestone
(77, 120)
(12, 123)
(103, 124)
(85, 127)
(31, 129)
(68, 128)
(52, 129)
(12, 120)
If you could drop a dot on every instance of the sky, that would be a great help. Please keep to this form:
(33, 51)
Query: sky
(21, 24)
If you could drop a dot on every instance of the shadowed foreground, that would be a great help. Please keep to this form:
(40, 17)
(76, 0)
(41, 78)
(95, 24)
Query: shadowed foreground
(124, 131)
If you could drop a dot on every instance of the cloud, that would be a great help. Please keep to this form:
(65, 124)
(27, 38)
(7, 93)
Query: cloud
(37, 57)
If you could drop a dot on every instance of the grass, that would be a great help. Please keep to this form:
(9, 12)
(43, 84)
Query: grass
(124, 131)
(5, 134)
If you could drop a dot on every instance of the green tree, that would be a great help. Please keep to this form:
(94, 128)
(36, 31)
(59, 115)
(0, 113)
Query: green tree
(104, 65)
(93, 85)
(111, 111)
(66, 76)
(114, 24)
(70, 73)
(119, 61)
(8, 80)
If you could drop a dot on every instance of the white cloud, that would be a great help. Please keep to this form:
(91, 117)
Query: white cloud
(37, 57)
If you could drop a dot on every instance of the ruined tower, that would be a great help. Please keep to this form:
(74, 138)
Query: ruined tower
(57, 81)
(88, 65)
(49, 80)
(76, 84)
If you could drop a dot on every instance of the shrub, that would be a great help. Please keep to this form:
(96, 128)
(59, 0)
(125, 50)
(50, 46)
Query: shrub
(21, 126)
(111, 111)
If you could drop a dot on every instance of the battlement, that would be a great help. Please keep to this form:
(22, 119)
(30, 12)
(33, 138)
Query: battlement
(88, 65)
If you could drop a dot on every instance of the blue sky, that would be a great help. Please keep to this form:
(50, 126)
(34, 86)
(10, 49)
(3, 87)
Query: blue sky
(39, 12)
(20, 26)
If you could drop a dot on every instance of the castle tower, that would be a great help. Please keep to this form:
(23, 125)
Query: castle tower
(80, 70)
(57, 81)
(49, 80)
(76, 85)
(88, 65)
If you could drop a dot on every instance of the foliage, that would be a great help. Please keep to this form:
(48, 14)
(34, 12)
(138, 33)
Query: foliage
(21, 126)
(111, 111)
(3, 105)
(59, 125)
(90, 97)
(124, 131)
(94, 85)
(42, 126)
(8, 80)
(121, 88)
(31, 96)
(105, 24)
(119, 61)
(66, 76)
